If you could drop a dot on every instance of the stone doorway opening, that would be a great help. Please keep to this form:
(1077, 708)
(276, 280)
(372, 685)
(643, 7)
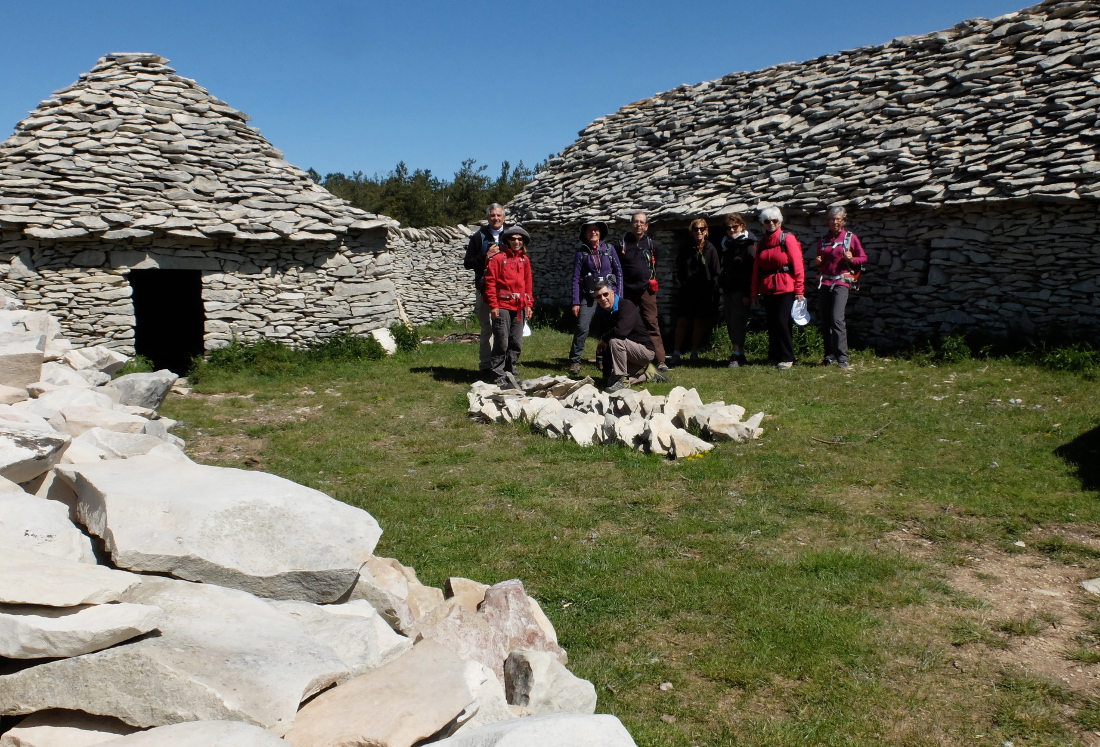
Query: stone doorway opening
(169, 317)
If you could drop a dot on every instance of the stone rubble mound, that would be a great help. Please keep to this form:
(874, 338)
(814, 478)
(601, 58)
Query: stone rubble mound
(146, 599)
(561, 407)
(989, 110)
(133, 150)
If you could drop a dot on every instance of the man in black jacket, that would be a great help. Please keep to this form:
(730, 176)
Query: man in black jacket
(626, 346)
(638, 257)
(483, 245)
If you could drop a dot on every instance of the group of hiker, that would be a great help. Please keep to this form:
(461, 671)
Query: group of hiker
(615, 281)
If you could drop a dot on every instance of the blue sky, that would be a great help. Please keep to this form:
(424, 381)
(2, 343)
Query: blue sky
(345, 85)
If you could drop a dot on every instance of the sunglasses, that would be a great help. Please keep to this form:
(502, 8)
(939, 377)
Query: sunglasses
(698, 230)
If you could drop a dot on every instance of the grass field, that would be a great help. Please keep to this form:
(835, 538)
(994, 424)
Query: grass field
(917, 588)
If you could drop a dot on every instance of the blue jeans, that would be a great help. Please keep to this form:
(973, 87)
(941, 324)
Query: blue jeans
(580, 334)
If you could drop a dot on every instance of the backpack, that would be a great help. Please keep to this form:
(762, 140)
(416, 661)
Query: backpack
(850, 275)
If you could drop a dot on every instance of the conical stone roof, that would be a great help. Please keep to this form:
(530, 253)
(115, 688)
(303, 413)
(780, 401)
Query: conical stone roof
(133, 150)
(989, 110)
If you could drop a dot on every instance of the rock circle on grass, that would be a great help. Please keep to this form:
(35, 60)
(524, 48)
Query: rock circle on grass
(561, 407)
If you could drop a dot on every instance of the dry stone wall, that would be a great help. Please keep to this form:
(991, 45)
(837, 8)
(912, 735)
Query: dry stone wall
(427, 270)
(289, 292)
(1013, 271)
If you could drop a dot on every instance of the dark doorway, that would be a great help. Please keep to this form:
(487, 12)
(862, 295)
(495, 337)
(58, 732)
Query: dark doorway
(170, 319)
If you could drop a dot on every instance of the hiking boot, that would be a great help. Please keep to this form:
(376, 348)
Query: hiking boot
(663, 368)
(575, 369)
(618, 383)
(785, 365)
(652, 373)
(829, 361)
(844, 365)
(674, 360)
(694, 356)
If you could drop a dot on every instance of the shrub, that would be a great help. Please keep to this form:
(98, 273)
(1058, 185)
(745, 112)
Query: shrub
(1080, 358)
(407, 340)
(266, 357)
(137, 364)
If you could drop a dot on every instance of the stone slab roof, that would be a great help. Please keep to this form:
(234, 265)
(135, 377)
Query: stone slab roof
(134, 150)
(989, 110)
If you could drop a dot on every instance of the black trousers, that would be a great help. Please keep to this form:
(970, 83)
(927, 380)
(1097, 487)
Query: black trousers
(777, 308)
(507, 342)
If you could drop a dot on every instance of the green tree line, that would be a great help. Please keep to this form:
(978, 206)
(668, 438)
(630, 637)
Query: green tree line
(419, 198)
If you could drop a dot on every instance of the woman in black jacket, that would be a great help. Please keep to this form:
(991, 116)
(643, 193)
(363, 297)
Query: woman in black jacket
(737, 252)
(698, 270)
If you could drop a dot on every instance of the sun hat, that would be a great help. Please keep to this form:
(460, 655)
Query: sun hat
(800, 314)
(598, 224)
(515, 231)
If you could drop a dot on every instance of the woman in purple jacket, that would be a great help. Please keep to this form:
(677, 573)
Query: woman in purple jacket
(839, 259)
(594, 261)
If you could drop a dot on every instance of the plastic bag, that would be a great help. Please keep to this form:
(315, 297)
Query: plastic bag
(526, 329)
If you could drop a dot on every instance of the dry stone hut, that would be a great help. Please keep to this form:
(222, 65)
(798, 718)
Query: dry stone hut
(968, 161)
(146, 214)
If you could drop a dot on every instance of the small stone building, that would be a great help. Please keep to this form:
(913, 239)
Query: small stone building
(144, 213)
(968, 161)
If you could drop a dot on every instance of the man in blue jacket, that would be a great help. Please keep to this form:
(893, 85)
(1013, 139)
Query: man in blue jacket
(594, 262)
(626, 345)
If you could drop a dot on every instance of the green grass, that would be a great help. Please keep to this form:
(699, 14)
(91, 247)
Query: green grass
(753, 579)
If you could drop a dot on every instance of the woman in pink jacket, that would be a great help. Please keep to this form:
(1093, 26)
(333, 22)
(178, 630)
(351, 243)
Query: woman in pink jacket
(778, 279)
(840, 257)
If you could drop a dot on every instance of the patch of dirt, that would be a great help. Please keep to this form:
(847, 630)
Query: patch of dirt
(1019, 587)
(240, 449)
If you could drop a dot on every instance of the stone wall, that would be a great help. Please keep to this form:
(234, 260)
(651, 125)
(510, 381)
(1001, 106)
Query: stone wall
(427, 270)
(290, 292)
(999, 271)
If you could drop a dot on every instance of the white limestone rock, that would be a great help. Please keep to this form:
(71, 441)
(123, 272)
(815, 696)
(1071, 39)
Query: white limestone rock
(408, 700)
(658, 434)
(9, 395)
(64, 729)
(60, 375)
(354, 631)
(144, 389)
(202, 734)
(553, 730)
(118, 445)
(20, 358)
(35, 632)
(539, 682)
(587, 429)
(246, 530)
(221, 654)
(385, 339)
(97, 358)
(30, 523)
(685, 445)
(28, 577)
(27, 451)
(56, 349)
(51, 403)
(396, 593)
(77, 420)
(490, 704)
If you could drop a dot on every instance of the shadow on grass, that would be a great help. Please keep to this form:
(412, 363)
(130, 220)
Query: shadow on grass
(1083, 453)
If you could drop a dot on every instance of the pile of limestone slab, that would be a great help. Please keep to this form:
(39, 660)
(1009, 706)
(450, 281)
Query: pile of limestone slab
(149, 600)
(561, 407)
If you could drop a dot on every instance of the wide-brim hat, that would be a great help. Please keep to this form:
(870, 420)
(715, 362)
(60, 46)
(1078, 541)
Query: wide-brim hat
(598, 224)
(515, 231)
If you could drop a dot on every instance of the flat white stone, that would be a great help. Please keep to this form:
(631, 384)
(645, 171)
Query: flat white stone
(77, 420)
(246, 530)
(399, 704)
(202, 734)
(11, 394)
(64, 729)
(555, 730)
(27, 451)
(100, 358)
(20, 358)
(354, 631)
(120, 445)
(50, 403)
(30, 523)
(33, 578)
(491, 704)
(145, 389)
(221, 654)
(33, 632)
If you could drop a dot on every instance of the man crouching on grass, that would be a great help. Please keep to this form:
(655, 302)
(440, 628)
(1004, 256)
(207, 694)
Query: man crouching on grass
(627, 346)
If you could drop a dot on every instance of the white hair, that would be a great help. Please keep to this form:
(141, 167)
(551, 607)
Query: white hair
(771, 213)
(836, 210)
(494, 206)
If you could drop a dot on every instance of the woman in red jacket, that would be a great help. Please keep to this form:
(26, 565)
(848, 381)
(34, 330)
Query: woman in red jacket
(509, 294)
(779, 278)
